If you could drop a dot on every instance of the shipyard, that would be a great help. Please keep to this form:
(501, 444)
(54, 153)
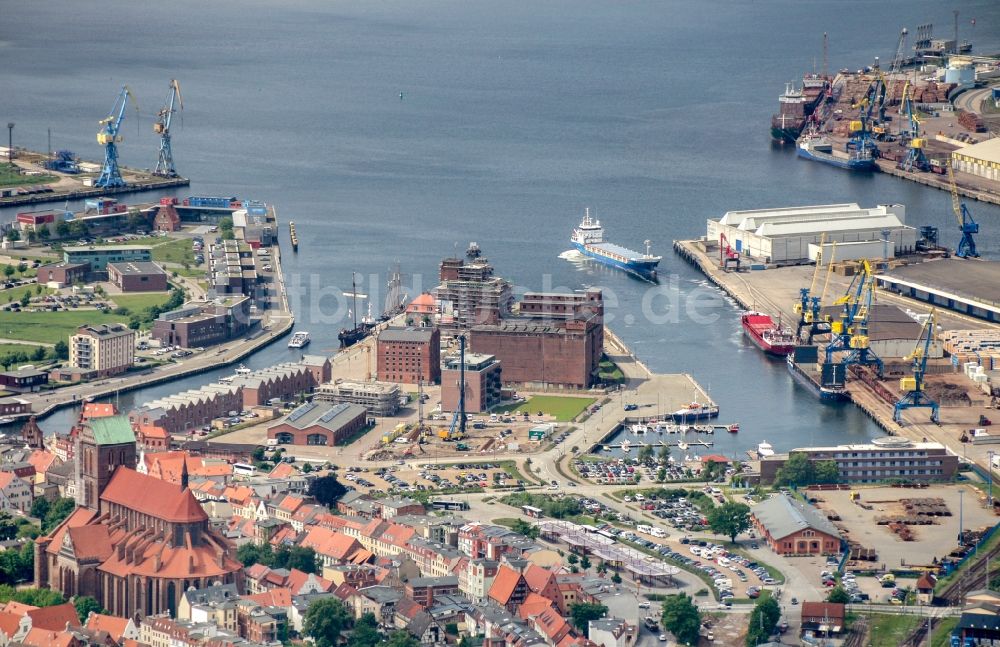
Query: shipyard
(468, 326)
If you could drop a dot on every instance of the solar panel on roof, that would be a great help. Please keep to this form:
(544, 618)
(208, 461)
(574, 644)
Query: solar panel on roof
(301, 411)
(334, 412)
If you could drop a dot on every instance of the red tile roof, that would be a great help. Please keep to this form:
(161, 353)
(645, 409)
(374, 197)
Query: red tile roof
(9, 623)
(79, 517)
(153, 497)
(279, 597)
(533, 605)
(48, 638)
(91, 542)
(504, 584)
(98, 410)
(537, 577)
(153, 431)
(18, 608)
(55, 617)
(832, 610)
(6, 478)
(283, 470)
(42, 460)
(113, 625)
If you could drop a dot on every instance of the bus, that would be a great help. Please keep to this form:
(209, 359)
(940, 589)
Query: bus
(449, 504)
(243, 469)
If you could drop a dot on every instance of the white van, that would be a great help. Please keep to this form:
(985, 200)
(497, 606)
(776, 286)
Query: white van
(639, 497)
(658, 532)
(722, 561)
(646, 530)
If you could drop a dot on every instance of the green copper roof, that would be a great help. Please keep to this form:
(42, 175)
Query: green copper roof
(112, 430)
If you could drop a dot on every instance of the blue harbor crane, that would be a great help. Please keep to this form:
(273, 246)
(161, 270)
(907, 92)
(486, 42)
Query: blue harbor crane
(968, 226)
(108, 137)
(915, 158)
(861, 128)
(850, 332)
(165, 163)
(913, 387)
(808, 308)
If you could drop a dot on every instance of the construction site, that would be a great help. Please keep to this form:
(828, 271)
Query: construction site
(30, 177)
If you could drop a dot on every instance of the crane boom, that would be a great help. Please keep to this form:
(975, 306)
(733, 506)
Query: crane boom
(109, 137)
(165, 161)
(913, 387)
(967, 245)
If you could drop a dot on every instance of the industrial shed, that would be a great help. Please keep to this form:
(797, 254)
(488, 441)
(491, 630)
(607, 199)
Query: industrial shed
(981, 160)
(784, 235)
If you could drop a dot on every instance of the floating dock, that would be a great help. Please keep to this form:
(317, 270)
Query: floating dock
(293, 235)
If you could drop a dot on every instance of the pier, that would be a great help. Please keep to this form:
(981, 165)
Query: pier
(659, 443)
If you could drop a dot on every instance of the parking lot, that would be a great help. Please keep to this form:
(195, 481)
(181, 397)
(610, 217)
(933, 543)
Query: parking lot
(428, 477)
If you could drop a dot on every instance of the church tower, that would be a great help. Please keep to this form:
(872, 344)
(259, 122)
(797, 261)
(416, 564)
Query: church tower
(102, 445)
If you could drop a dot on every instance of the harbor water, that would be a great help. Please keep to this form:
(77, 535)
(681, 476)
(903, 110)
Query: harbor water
(398, 132)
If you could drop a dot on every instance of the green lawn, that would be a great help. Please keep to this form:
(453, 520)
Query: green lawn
(136, 303)
(174, 251)
(10, 177)
(49, 327)
(15, 294)
(563, 408)
(889, 630)
(609, 371)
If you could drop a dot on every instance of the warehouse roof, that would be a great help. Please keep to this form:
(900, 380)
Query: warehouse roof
(734, 218)
(885, 322)
(783, 516)
(323, 414)
(974, 280)
(988, 150)
(873, 222)
(411, 334)
(137, 267)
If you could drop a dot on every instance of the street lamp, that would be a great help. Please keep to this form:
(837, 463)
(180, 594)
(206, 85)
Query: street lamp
(10, 142)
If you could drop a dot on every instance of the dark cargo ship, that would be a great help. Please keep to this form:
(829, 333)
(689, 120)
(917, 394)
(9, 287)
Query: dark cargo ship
(795, 107)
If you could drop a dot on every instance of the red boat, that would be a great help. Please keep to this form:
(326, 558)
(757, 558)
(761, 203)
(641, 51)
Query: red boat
(766, 335)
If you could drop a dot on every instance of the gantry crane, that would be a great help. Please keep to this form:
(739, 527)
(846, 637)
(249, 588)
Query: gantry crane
(894, 67)
(968, 226)
(862, 138)
(108, 137)
(802, 307)
(818, 324)
(913, 387)
(850, 331)
(915, 158)
(165, 163)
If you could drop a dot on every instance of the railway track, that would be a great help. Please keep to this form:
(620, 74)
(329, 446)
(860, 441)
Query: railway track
(972, 579)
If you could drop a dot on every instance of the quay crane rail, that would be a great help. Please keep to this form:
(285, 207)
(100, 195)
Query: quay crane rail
(850, 332)
(967, 245)
(913, 387)
(109, 137)
(165, 163)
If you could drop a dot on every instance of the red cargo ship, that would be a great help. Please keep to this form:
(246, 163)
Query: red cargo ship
(766, 335)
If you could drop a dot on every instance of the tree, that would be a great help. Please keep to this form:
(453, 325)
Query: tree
(38, 354)
(62, 229)
(729, 519)
(13, 235)
(572, 559)
(399, 638)
(258, 454)
(306, 468)
(681, 618)
(226, 228)
(826, 472)
(22, 268)
(616, 578)
(25, 298)
(39, 508)
(84, 605)
(796, 471)
(583, 612)
(763, 619)
(326, 619)
(327, 490)
(44, 233)
(585, 562)
(838, 594)
(298, 557)
(646, 453)
(34, 597)
(522, 527)
(365, 633)
(664, 453)
(661, 475)
(62, 350)
(59, 510)
(251, 553)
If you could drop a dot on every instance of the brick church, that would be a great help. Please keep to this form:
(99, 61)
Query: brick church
(135, 542)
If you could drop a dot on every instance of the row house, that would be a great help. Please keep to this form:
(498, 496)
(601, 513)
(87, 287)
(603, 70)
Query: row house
(443, 530)
(410, 617)
(260, 578)
(490, 541)
(356, 575)
(378, 600)
(335, 548)
(476, 578)
(500, 627)
(16, 494)
(509, 588)
(544, 582)
(259, 624)
(424, 590)
(215, 604)
(433, 559)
